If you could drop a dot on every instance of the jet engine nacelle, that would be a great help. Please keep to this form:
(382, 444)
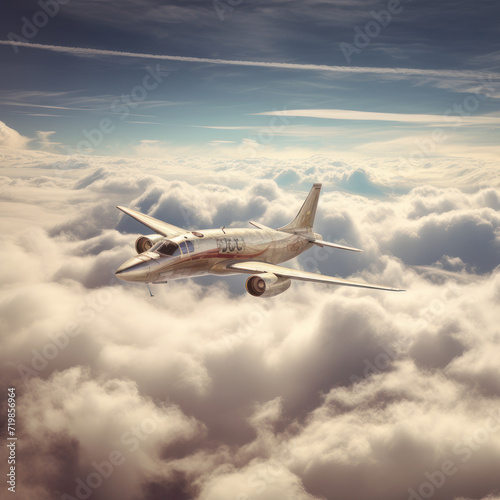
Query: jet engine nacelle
(267, 285)
(144, 243)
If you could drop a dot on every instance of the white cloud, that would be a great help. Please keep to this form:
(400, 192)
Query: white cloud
(159, 149)
(347, 114)
(44, 141)
(109, 422)
(259, 480)
(11, 139)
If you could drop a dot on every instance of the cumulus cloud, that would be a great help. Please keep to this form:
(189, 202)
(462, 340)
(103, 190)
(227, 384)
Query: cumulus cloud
(456, 233)
(80, 424)
(10, 138)
(205, 392)
(45, 142)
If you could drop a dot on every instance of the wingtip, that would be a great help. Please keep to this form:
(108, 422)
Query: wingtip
(125, 210)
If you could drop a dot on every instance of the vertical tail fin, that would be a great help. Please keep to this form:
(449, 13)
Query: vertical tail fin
(304, 220)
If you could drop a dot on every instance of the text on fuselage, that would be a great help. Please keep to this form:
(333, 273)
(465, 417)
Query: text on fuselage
(230, 244)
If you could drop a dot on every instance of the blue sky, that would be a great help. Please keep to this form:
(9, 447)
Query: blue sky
(60, 97)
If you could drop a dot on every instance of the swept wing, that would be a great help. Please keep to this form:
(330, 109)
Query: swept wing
(158, 226)
(252, 267)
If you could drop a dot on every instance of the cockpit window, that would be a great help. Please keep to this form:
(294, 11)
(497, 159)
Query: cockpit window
(166, 248)
(186, 247)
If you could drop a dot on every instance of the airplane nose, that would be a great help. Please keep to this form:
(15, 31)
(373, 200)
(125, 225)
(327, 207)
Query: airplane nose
(135, 269)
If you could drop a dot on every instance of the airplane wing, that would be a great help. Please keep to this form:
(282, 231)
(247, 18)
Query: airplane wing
(158, 226)
(252, 267)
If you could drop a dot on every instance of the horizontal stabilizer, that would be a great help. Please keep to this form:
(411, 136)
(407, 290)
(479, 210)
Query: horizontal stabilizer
(259, 225)
(322, 243)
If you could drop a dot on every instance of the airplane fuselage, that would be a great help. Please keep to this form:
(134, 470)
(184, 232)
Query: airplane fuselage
(198, 253)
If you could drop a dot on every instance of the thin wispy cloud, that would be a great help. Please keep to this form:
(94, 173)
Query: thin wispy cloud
(41, 114)
(83, 51)
(221, 127)
(31, 105)
(347, 114)
(102, 109)
(144, 123)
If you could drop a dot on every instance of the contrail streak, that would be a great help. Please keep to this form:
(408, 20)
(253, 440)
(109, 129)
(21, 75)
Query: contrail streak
(81, 51)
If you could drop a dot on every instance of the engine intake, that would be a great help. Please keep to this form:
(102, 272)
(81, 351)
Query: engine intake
(267, 285)
(144, 243)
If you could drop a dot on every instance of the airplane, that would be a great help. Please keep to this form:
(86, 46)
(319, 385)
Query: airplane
(175, 253)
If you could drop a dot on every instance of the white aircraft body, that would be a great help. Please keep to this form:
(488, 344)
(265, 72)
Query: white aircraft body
(174, 253)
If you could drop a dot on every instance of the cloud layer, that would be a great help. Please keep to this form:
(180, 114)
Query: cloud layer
(205, 392)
